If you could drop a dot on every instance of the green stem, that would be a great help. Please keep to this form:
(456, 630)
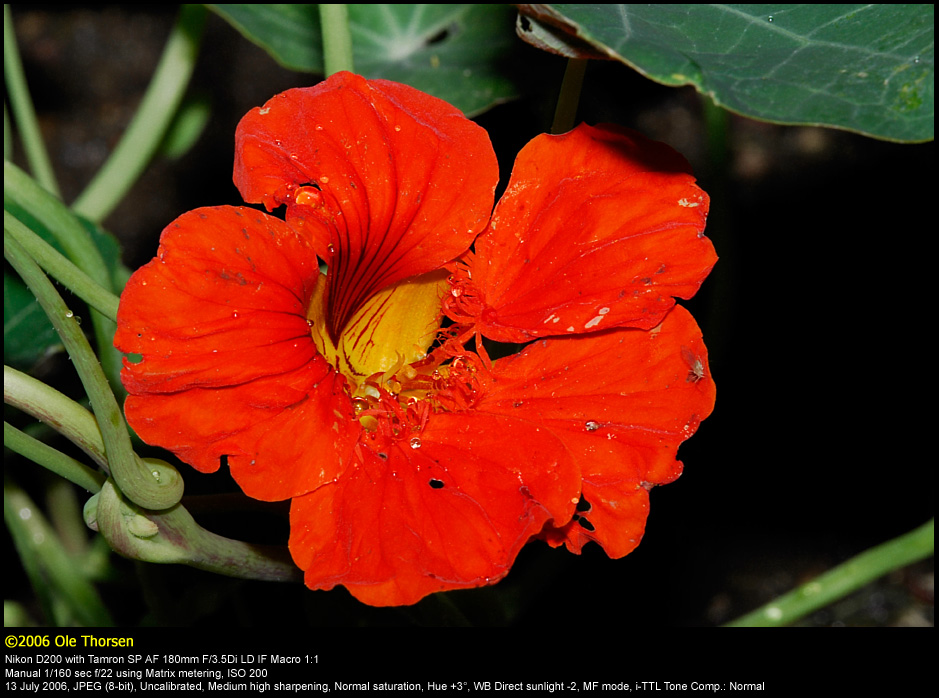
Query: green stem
(565, 114)
(842, 580)
(54, 409)
(51, 459)
(150, 123)
(337, 39)
(58, 266)
(54, 575)
(23, 110)
(151, 488)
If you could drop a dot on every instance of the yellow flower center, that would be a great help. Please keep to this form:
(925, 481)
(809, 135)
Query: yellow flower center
(376, 350)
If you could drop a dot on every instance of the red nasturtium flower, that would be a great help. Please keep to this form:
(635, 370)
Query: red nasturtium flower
(413, 463)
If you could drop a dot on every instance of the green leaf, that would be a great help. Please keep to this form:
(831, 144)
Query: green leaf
(454, 52)
(28, 335)
(863, 68)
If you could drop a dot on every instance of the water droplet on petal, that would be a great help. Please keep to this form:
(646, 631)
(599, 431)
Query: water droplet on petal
(415, 442)
(592, 426)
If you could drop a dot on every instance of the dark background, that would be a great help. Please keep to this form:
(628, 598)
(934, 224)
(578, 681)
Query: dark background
(818, 447)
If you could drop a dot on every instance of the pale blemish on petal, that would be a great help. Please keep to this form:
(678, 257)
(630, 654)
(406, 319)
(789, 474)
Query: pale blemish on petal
(596, 321)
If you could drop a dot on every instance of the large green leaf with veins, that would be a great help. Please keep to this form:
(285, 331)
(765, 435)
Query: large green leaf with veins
(864, 68)
(455, 52)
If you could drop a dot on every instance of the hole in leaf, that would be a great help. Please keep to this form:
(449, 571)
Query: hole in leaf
(442, 35)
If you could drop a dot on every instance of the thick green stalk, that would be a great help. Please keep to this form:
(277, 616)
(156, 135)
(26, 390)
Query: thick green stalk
(337, 39)
(173, 537)
(845, 578)
(153, 488)
(59, 267)
(150, 123)
(23, 110)
(54, 409)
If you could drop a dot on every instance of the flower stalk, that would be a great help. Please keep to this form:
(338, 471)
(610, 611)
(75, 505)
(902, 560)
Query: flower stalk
(151, 120)
(565, 114)
(337, 39)
(23, 110)
(850, 576)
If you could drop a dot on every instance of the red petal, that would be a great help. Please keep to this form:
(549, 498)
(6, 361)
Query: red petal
(228, 364)
(223, 302)
(397, 182)
(284, 435)
(599, 228)
(621, 402)
(452, 513)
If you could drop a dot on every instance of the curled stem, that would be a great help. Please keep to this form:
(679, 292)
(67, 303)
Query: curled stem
(173, 537)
